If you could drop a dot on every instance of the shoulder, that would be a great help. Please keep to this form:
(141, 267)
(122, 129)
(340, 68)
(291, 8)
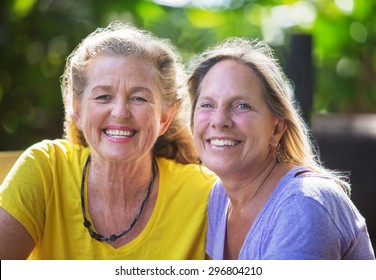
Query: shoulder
(55, 148)
(52, 152)
(316, 187)
(191, 173)
(316, 199)
(304, 183)
(46, 159)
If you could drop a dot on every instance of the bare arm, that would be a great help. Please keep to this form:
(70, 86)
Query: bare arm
(15, 241)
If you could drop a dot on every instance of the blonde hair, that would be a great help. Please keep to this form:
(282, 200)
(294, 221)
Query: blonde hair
(296, 145)
(126, 40)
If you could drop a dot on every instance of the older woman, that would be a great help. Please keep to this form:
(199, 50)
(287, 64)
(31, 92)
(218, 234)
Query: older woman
(122, 184)
(274, 199)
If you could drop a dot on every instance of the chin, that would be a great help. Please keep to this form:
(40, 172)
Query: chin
(217, 166)
(115, 155)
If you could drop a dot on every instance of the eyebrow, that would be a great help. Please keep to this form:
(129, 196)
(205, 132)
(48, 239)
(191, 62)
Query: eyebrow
(140, 88)
(106, 88)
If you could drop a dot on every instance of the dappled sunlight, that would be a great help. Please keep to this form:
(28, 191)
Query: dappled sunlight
(358, 32)
(21, 8)
(346, 6)
(37, 36)
(300, 13)
(346, 67)
(204, 4)
(172, 3)
(212, 18)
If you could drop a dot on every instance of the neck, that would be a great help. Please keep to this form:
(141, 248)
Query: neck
(114, 180)
(242, 191)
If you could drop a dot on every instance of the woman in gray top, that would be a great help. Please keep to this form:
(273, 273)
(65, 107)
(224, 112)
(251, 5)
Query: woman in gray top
(274, 199)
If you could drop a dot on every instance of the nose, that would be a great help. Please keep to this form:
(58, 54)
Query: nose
(121, 109)
(221, 118)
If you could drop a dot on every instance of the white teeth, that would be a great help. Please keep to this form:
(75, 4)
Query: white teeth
(220, 142)
(119, 133)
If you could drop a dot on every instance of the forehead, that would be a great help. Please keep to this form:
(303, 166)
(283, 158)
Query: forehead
(107, 68)
(231, 76)
(232, 68)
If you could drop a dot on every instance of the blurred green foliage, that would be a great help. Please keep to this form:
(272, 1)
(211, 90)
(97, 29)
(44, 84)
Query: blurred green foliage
(37, 35)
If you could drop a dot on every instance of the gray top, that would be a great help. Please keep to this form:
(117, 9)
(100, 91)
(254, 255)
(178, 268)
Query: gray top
(307, 217)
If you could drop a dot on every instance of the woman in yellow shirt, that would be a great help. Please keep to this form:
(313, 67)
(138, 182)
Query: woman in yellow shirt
(122, 184)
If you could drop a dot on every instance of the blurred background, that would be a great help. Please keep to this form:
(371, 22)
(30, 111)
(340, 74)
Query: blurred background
(327, 48)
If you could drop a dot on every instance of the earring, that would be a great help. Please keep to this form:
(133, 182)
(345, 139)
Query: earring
(278, 156)
(199, 160)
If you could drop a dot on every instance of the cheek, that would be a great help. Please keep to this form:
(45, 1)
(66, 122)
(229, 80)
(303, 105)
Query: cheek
(200, 120)
(149, 119)
(93, 116)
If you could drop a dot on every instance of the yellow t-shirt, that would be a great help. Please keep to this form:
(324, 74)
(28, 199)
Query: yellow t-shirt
(42, 191)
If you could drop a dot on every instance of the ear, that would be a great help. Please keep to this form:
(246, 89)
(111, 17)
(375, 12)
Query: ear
(279, 129)
(166, 119)
(77, 113)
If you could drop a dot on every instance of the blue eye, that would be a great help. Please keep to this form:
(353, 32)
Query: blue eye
(206, 105)
(243, 106)
(104, 97)
(137, 100)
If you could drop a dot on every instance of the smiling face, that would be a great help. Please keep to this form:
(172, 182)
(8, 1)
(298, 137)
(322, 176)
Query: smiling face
(234, 129)
(120, 112)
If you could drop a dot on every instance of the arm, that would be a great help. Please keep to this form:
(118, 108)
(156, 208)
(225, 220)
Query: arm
(16, 242)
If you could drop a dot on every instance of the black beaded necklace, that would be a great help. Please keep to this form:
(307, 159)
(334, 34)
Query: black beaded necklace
(87, 223)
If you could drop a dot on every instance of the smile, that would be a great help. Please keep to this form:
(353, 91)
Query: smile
(223, 142)
(119, 134)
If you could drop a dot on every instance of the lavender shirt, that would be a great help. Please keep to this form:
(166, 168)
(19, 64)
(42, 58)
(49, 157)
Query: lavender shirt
(307, 217)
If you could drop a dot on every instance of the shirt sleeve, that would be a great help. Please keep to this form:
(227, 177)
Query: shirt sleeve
(23, 192)
(301, 229)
